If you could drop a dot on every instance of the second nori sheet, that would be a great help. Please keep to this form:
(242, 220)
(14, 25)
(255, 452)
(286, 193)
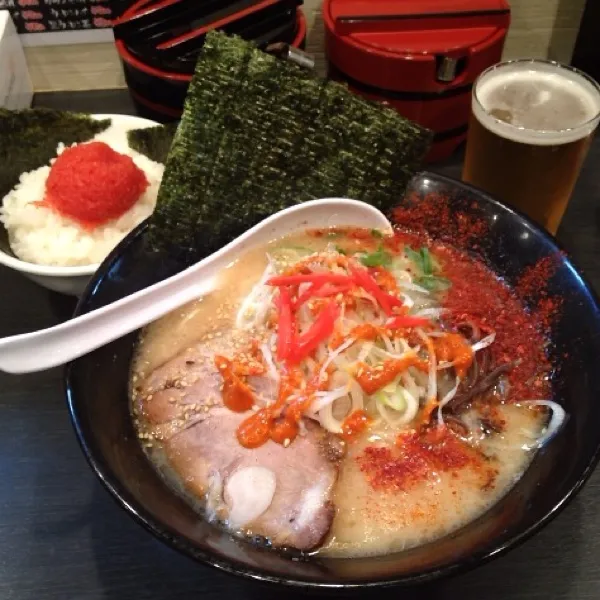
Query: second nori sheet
(153, 142)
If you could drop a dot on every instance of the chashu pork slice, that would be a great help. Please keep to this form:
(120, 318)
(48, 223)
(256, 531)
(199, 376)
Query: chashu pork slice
(282, 494)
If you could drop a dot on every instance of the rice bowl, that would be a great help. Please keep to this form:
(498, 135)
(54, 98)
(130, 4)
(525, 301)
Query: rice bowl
(40, 235)
(57, 234)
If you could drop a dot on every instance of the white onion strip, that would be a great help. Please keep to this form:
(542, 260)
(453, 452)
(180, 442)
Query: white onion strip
(268, 358)
(412, 407)
(323, 399)
(408, 382)
(432, 378)
(407, 301)
(381, 353)
(447, 399)
(365, 351)
(403, 346)
(255, 306)
(328, 421)
(480, 345)
(333, 355)
(484, 342)
(434, 313)
(366, 296)
(356, 395)
(557, 420)
(413, 287)
(388, 344)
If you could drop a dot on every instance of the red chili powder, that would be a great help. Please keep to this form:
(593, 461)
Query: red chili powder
(477, 295)
(417, 457)
(93, 184)
(532, 289)
(432, 216)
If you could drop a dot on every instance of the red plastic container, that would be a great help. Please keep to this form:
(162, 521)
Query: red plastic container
(157, 88)
(419, 56)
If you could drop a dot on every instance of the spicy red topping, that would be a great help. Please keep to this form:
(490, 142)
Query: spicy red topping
(93, 184)
(418, 456)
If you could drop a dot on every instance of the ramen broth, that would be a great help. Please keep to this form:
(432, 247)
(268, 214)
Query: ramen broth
(375, 522)
(388, 493)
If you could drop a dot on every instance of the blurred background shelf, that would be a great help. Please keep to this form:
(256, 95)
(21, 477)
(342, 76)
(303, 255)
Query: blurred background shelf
(540, 28)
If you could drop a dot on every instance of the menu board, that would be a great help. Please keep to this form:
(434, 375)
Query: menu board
(40, 16)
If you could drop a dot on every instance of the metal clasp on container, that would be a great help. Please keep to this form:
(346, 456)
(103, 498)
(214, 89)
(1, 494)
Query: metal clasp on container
(287, 52)
(446, 69)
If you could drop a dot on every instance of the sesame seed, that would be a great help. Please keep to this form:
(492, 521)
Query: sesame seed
(286, 442)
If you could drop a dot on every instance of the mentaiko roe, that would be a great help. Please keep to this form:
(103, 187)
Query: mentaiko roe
(93, 184)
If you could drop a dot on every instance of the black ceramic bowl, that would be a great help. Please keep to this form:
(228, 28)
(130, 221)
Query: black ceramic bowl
(97, 395)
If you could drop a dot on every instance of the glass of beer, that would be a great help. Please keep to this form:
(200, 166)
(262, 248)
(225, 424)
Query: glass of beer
(531, 125)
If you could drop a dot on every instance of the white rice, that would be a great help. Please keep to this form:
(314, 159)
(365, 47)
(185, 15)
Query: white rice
(40, 235)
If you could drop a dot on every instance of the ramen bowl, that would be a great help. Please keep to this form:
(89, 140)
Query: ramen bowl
(100, 413)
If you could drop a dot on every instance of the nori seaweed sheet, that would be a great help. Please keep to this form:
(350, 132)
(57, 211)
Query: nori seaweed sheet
(258, 135)
(153, 142)
(28, 139)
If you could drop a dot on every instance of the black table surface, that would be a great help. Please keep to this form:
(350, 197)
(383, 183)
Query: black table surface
(63, 537)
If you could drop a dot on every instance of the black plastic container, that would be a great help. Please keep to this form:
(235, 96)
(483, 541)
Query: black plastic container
(159, 43)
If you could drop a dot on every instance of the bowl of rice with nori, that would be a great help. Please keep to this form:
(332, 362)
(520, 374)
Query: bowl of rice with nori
(69, 207)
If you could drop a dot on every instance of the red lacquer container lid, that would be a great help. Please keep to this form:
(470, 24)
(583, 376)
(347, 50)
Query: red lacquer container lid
(415, 45)
(420, 57)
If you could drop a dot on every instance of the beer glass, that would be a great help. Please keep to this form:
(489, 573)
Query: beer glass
(531, 125)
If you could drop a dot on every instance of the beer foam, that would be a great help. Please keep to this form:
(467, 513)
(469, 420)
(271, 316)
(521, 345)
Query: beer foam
(537, 103)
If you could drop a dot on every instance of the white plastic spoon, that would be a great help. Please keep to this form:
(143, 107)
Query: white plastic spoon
(47, 348)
